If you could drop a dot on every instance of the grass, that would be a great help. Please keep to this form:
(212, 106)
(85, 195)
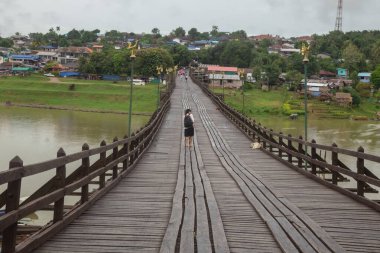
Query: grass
(88, 95)
(281, 102)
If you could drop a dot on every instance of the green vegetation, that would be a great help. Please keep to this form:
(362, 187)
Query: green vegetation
(87, 95)
(281, 102)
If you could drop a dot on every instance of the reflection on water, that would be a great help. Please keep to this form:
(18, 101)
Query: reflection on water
(346, 134)
(36, 135)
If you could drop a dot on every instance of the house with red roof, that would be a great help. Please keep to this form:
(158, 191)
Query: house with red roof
(221, 76)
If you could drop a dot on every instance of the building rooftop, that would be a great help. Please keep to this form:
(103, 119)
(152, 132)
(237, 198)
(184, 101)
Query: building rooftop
(221, 68)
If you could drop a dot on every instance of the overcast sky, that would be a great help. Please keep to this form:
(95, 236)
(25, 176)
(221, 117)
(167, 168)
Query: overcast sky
(283, 17)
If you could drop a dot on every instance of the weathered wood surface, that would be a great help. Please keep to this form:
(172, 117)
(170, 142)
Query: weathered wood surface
(262, 205)
(352, 225)
(134, 215)
(195, 223)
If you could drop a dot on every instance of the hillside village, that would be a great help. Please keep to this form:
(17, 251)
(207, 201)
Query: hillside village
(220, 56)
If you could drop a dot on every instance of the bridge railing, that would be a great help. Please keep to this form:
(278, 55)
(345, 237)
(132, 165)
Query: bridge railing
(111, 163)
(343, 170)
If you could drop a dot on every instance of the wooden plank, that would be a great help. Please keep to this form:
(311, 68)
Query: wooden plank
(219, 236)
(170, 239)
(202, 228)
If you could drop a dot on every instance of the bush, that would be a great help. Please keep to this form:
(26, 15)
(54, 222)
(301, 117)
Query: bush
(72, 87)
(364, 89)
(248, 86)
(356, 100)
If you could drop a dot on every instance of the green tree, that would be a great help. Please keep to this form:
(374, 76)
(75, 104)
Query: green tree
(214, 31)
(113, 36)
(179, 32)
(236, 53)
(272, 73)
(52, 37)
(4, 42)
(294, 78)
(149, 59)
(156, 31)
(327, 64)
(375, 54)
(375, 77)
(356, 100)
(181, 55)
(352, 57)
(239, 35)
(193, 34)
(364, 89)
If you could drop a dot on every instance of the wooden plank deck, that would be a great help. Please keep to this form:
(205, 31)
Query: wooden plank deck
(351, 224)
(221, 195)
(134, 215)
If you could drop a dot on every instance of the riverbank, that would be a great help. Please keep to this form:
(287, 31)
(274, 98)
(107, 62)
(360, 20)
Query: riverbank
(282, 103)
(95, 96)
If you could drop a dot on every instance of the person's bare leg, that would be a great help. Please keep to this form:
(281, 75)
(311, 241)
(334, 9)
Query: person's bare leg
(190, 141)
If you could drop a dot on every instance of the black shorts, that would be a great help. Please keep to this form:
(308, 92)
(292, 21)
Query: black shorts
(189, 131)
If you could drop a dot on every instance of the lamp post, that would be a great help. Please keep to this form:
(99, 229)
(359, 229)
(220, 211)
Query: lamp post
(305, 52)
(159, 69)
(241, 72)
(223, 84)
(169, 77)
(133, 48)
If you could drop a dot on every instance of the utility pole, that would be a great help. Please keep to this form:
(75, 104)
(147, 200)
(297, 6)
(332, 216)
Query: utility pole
(339, 16)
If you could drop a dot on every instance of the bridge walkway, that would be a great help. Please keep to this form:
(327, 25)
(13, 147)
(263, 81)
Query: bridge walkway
(260, 204)
(352, 225)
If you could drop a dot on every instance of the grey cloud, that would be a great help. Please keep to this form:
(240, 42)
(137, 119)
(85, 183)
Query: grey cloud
(283, 17)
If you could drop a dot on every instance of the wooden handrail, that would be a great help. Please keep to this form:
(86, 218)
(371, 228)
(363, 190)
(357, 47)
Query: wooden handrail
(315, 164)
(54, 191)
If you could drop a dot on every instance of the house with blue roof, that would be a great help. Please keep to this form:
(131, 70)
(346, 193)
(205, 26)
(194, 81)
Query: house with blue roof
(25, 59)
(364, 77)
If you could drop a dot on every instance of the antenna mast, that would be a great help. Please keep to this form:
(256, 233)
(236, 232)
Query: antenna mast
(339, 18)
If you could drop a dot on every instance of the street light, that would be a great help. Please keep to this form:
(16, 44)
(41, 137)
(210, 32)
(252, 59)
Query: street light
(241, 72)
(169, 77)
(223, 84)
(133, 48)
(159, 69)
(305, 52)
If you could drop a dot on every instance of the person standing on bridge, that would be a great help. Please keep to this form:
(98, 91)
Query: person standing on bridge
(189, 128)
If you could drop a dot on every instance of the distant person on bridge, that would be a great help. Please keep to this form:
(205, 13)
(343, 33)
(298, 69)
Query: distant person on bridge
(189, 128)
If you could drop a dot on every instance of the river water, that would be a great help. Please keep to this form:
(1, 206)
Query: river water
(36, 135)
(347, 134)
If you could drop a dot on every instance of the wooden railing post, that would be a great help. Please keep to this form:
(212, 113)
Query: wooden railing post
(85, 166)
(114, 157)
(360, 170)
(313, 156)
(131, 148)
(271, 139)
(103, 155)
(259, 134)
(300, 152)
(280, 143)
(12, 203)
(126, 147)
(265, 143)
(290, 145)
(334, 160)
(60, 176)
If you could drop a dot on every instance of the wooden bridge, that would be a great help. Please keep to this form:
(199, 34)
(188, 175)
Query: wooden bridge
(150, 193)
